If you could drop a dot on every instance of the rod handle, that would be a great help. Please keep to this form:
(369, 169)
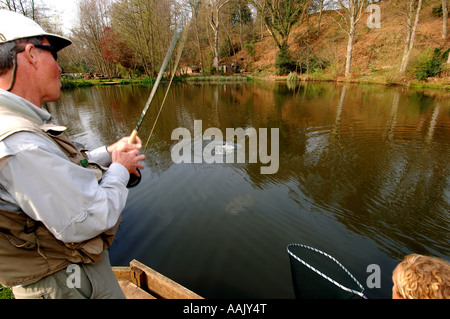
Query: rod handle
(133, 135)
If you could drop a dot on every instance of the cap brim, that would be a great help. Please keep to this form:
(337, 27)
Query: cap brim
(57, 41)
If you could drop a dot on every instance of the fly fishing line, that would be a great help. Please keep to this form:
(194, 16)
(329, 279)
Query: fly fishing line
(177, 60)
(178, 30)
(135, 180)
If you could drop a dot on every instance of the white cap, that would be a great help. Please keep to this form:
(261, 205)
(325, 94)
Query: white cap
(14, 26)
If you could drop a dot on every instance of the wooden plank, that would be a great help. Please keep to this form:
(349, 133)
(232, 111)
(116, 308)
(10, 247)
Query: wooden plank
(163, 286)
(137, 277)
(122, 273)
(132, 291)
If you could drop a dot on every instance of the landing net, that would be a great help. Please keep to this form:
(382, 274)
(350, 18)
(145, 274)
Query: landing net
(317, 275)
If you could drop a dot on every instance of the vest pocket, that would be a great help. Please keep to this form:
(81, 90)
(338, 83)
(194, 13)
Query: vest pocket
(17, 242)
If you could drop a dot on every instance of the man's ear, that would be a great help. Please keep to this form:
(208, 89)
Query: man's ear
(30, 55)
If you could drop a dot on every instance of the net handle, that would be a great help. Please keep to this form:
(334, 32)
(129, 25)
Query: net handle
(360, 294)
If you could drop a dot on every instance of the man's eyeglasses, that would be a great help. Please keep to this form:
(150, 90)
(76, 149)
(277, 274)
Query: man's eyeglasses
(48, 48)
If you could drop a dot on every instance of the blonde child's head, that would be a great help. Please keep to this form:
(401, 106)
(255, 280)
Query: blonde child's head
(421, 277)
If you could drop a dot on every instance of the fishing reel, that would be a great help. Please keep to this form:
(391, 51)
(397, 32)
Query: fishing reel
(134, 180)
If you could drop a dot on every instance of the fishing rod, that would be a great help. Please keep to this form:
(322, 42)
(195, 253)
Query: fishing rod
(135, 180)
(177, 60)
(179, 29)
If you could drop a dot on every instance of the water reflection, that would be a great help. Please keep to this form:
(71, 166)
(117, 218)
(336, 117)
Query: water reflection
(363, 175)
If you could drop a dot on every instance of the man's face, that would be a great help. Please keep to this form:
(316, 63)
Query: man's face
(50, 75)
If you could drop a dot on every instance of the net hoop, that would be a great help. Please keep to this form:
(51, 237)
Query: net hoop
(358, 293)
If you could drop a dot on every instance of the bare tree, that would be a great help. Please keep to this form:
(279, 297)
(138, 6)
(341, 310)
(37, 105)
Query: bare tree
(320, 15)
(444, 18)
(411, 30)
(280, 16)
(147, 27)
(28, 8)
(354, 10)
(217, 6)
(135, 21)
(240, 8)
(444, 23)
(260, 5)
(25, 7)
(322, 4)
(194, 9)
(92, 21)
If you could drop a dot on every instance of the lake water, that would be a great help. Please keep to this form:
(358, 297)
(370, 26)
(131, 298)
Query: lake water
(363, 175)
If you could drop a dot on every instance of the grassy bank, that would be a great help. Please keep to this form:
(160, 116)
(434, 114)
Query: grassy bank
(76, 83)
(383, 77)
(380, 76)
(6, 293)
(218, 79)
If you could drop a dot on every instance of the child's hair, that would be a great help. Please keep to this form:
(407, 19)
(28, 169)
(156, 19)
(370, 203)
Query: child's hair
(423, 277)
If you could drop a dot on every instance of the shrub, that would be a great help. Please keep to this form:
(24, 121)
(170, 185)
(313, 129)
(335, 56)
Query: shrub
(250, 47)
(292, 77)
(284, 62)
(429, 64)
(228, 49)
(6, 293)
(437, 11)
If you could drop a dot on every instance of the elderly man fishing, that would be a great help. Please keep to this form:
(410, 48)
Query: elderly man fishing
(59, 206)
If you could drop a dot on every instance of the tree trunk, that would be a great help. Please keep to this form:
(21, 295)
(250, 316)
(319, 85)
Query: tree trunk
(408, 33)
(351, 37)
(354, 13)
(263, 9)
(240, 27)
(407, 54)
(216, 45)
(274, 37)
(216, 25)
(198, 43)
(444, 17)
(320, 16)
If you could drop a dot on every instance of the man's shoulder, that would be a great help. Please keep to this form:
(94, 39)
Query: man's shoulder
(25, 140)
(12, 122)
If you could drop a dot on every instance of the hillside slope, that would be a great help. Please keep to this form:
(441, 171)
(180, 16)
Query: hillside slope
(377, 53)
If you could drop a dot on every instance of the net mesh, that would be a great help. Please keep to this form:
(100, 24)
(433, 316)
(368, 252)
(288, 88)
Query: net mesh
(316, 275)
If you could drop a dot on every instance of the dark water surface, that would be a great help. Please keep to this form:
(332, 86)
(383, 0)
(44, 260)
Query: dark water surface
(363, 175)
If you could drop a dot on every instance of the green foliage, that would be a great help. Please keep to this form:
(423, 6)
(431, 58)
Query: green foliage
(437, 11)
(6, 293)
(312, 63)
(250, 47)
(228, 49)
(218, 79)
(212, 70)
(293, 77)
(284, 62)
(125, 81)
(430, 64)
(280, 17)
(285, 14)
(74, 68)
(145, 81)
(243, 15)
(81, 66)
(71, 84)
